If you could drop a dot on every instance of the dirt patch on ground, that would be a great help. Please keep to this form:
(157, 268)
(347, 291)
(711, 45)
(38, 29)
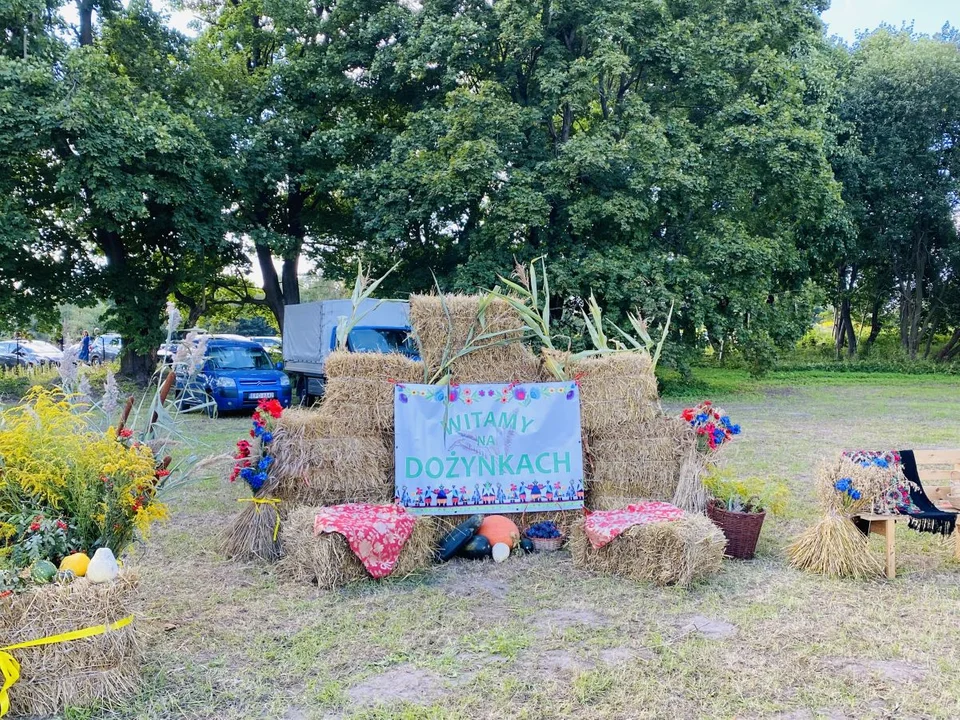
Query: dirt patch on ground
(404, 683)
(892, 670)
(709, 628)
(566, 617)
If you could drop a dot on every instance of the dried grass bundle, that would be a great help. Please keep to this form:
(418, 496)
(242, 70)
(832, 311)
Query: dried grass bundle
(666, 553)
(360, 388)
(446, 326)
(615, 391)
(328, 560)
(691, 494)
(315, 465)
(834, 547)
(96, 670)
(254, 534)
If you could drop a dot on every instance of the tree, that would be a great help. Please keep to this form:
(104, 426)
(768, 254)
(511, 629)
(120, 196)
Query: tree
(652, 150)
(897, 158)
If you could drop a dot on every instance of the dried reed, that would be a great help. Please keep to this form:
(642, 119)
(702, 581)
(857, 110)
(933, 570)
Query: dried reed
(90, 671)
(666, 553)
(328, 560)
(691, 494)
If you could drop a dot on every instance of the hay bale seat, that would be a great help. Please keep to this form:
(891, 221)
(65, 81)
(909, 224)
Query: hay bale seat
(327, 559)
(444, 326)
(96, 670)
(360, 388)
(616, 392)
(316, 464)
(641, 462)
(678, 552)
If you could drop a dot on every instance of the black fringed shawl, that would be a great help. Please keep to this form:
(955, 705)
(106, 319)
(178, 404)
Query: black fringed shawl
(930, 518)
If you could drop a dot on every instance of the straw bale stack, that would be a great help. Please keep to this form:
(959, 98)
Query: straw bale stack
(444, 327)
(314, 464)
(96, 670)
(617, 392)
(328, 560)
(678, 552)
(360, 389)
(640, 462)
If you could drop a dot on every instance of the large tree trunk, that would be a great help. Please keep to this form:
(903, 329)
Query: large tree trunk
(85, 11)
(875, 324)
(844, 332)
(951, 349)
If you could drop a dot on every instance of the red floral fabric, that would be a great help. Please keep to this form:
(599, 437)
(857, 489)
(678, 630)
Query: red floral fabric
(602, 526)
(375, 533)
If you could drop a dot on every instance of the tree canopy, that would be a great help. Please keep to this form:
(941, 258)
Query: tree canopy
(724, 157)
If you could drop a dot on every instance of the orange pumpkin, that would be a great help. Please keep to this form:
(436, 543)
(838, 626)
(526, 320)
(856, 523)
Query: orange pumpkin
(499, 529)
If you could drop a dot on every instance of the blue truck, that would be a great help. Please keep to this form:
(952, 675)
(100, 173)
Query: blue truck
(310, 335)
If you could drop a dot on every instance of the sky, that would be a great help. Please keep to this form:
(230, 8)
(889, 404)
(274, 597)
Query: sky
(846, 17)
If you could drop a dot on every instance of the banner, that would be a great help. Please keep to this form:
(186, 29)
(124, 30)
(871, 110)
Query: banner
(488, 448)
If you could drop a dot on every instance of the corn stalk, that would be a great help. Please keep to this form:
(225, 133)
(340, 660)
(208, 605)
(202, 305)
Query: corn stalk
(363, 288)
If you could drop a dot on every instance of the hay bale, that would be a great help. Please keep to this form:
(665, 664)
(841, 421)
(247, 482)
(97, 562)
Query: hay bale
(638, 462)
(328, 560)
(315, 465)
(444, 327)
(666, 553)
(360, 388)
(615, 391)
(97, 670)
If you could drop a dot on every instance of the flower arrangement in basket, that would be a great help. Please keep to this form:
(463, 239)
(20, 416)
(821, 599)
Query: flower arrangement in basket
(713, 430)
(738, 506)
(835, 546)
(545, 536)
(255, 534)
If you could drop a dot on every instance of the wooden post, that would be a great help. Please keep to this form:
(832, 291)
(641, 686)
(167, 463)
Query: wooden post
(889, 533)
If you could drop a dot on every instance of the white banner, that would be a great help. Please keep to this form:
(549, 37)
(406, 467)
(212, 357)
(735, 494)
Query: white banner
(488, 448)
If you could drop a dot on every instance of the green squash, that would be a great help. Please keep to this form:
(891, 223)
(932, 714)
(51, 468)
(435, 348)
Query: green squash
(526, 545)
(43, 572)
(477, 549)
(458, 537)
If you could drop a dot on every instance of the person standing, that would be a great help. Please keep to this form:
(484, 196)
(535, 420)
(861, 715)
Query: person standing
(84, 354)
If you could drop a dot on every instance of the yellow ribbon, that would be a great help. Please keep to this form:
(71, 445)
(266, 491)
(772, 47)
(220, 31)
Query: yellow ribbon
(10, 668)
(257, 502)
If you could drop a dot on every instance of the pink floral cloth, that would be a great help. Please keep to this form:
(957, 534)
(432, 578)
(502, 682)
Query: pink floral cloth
(375, 533)
(602, 526)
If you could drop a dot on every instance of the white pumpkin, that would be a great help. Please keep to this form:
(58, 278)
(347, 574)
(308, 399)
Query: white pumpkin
(501, 551)
(103, 567)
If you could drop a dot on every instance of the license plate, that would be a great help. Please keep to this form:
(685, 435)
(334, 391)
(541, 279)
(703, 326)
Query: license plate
(260, 395)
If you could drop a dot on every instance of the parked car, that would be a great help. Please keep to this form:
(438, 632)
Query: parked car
(268, 342)
(310, 335)
(103, 348)
(30, 353)
(167, 351)
(236, 375)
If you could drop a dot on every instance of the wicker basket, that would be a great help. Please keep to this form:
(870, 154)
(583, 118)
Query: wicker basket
(741, 529)
(547, 544)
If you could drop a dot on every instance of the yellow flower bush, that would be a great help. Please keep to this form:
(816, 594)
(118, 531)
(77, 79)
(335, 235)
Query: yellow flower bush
(751, 494)
(101, 488)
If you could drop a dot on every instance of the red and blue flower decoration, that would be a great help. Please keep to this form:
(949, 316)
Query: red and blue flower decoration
(253, 470)
(712, 425)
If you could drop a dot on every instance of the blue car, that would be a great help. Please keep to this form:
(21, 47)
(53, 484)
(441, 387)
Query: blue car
(236, 375)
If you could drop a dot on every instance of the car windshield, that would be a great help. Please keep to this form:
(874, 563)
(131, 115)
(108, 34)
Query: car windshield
(382, 340)
(238, 358)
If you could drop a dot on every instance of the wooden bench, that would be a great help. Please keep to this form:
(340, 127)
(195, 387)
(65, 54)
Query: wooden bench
(937, 470)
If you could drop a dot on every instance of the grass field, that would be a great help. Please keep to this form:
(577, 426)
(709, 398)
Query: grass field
(535, 638)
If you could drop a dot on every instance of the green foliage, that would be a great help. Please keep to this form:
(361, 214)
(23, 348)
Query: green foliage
(751, 494)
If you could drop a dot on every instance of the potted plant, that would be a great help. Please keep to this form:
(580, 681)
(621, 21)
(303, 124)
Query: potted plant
(738, 507)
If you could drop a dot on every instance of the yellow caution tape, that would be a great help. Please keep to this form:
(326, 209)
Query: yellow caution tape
(257, 502)
(10, 668)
